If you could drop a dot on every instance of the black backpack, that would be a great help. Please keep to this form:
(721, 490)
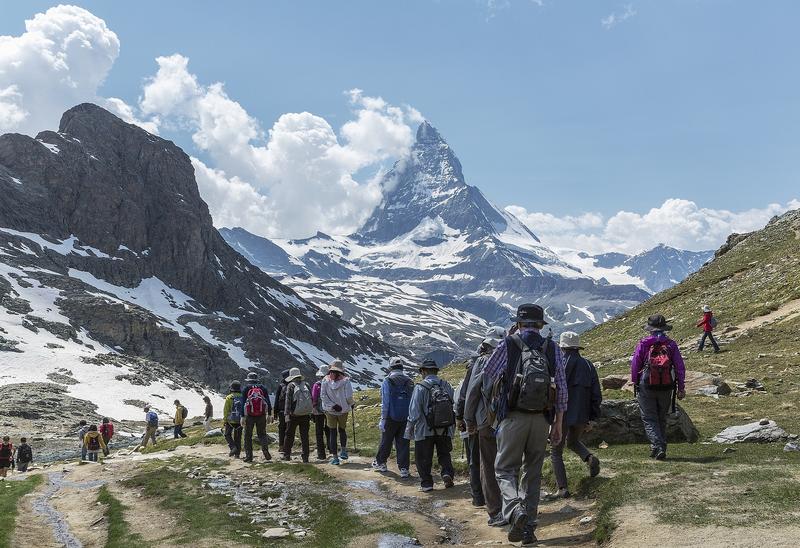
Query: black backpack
(533, 387)
(184, 412)
(94, 443)
(440, 412)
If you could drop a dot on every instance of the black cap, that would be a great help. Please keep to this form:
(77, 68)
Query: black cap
(429, 364)
(529, 313)
(657, 322)
(236, 386)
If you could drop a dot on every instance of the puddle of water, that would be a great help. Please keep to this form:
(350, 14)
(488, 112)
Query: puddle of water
(391, 540)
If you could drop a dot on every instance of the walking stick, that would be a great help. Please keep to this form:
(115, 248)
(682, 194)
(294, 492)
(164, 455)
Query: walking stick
(353, 416)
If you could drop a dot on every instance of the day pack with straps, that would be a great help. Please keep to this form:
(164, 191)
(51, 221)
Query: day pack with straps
(184, 412)
(152, 418)
(256, 403)
(301, 399)
(533, 388)
(235, 414)
(659, 371)
(400, 390)
(5, 450)
(93, 443)
(440, 412)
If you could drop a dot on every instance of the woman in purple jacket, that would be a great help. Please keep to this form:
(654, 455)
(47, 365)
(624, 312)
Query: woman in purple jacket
(657, 372)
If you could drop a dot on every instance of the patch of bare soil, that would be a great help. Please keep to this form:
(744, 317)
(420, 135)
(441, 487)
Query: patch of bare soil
(31, 529)
(786, 312)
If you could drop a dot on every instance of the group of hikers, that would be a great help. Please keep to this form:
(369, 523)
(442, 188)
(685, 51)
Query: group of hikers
(522, 390)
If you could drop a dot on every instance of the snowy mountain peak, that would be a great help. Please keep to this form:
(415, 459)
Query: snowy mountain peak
(426, 133)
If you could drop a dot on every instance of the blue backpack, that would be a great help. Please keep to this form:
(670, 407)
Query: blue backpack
(236, 409)
(400, 390)
(152, 418)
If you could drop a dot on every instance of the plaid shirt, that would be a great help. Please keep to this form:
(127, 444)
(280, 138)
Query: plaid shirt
(498, 364)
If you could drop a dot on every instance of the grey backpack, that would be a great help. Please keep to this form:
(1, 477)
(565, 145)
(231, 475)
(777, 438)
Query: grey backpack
(301, 400)
(533, 388)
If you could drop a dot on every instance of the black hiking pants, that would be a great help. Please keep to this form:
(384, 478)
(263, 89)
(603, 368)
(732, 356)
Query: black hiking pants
(710, 336)
(281, 429)
(304, 423)
(322, 435)
(423, 452)
(260, 424)
(394, 432)
(473, 450)
(233, 435)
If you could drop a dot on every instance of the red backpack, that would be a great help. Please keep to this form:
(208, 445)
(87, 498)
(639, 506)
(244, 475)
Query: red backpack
(256, 403)
(659, 370)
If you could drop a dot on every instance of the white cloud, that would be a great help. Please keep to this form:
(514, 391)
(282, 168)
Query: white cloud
(678, 223)
(60, 60)
(614, 19)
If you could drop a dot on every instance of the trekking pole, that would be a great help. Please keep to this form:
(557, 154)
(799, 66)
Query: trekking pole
(353, 416)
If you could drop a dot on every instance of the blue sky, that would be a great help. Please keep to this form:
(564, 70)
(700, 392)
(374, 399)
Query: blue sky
(548, 108)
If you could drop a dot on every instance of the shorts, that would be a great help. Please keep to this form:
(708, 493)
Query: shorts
(336, 421)
(5, 464)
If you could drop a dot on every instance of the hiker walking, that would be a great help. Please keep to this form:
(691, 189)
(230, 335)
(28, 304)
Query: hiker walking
(208, 414)
(256, 409)
(6, 456)
(526, 373)
(657, 373)
(280, 407)
(470, 439)
(318, 415)
(180, 417)
(479, 425)
(431, 423)
(83, 427)
(336, 394)
(24, 455)
(106, 430)
(297, 410)
(232, 419)
(93, 441)
(396, 391)
(583, 405)
(151, 419)
(708, 322)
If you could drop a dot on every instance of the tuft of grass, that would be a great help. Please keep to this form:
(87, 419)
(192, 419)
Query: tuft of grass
(10, 493)
(119, 534)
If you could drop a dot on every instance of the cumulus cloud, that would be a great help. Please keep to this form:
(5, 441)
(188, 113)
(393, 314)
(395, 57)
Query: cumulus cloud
(60, 60)
(300, 170)
(614, 19)
(678, 223)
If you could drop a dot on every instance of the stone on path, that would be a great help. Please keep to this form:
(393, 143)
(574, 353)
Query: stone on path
(276, 532)
(699, 383)
(215, 433)
(792, 446)
(621, 422)
(754, 432)
(614, 382)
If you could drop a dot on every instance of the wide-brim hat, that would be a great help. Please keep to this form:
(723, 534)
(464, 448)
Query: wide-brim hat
(285, 373)
(529, 313)
(495, 332)
(657, 322)
(322, 371)
(429, 364)
(492, 342)
(294, 374)
(336, 366)
(570, 339)
(396, 363)
(252, 376)
(706, 308)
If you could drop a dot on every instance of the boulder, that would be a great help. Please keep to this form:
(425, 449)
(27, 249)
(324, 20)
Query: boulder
(706, 384)
(276, 532)
(215, 433)
(791, 446)
(614, 382)
(621, 422)
(754, 432)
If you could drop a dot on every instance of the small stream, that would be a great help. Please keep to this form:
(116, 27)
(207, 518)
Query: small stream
(42, 506)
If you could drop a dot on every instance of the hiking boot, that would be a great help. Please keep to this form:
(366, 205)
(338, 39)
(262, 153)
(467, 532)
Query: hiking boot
(305, 460)
(661, 455)
(653, 452)
(518, 522)
(529, 536)
(594, 466)
(231, 453)
(379, 468)
(404, 473)
(335, 461)
(497, 520)
(448, 481)
(343, 454)
(267, 455)
(322, 456)
(426, 488)
(284, 456)
(248, 458)
(478, 503)
(563, 493)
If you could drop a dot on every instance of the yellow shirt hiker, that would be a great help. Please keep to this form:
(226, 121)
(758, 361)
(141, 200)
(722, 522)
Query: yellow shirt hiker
(93, 443)
(180, 417)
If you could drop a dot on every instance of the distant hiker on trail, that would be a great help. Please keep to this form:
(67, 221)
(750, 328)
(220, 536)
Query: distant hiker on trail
(336, 393)
(257, 409)
(233, 413)
(93, 441)
(396, 391)
(431, 423)
(180, 417)
(708, 323)
(151, 419)
(298, 411)
(280, 408)
(657, 373)
(208, 414)
(106, 430)
(82, 429)
(6, 456)
(24, 455)
(477, 420)
(583, 406)
(529, 390)
(320, 428)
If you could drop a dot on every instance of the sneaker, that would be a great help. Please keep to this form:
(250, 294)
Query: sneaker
(518, 522)
(285, 457)
(267, 455)
(653, 452)
(661, 455)
(335, 461)
(448, 481)
(404, 473)
(380, 468)
(478, 503)
(563, 493)
(247, 459)
(343, 454)
(426, 488)
(497, 520)
(594, 466)
(529, 537)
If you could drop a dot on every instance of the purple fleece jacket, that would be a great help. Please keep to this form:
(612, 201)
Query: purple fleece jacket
(642, 351)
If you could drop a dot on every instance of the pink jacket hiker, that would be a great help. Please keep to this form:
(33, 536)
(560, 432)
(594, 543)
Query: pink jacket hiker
(643, 349)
